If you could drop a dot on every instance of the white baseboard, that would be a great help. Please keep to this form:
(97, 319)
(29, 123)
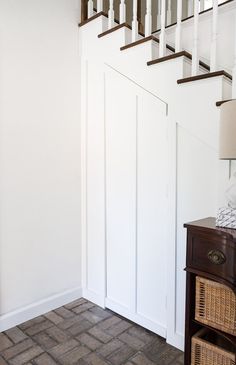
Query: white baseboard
(93, 297)
(157, 328)
(28, 312)
(176, 340)
(41, 307)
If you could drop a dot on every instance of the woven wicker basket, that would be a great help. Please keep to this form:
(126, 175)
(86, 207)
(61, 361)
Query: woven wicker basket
(207, 349)
(215, 305)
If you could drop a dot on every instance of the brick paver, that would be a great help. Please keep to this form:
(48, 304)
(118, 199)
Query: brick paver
(110, 348)
(44, 340)
(4, 342)
(44, 359)
(81, 333)
(16, 335)
(89, 341)
(2, 361)
(17, 349)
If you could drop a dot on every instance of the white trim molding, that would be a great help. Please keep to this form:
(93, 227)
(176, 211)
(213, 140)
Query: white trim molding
(136, 318)
(36, 309)
(94, 297)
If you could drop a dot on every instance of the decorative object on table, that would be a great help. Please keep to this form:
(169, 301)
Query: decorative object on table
(226, 218)
(227, 215)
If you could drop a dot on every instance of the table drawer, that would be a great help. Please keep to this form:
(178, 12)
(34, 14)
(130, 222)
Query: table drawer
(214, 256)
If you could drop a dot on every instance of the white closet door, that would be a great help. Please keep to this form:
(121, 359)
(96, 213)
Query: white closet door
(121, 190)
(136, 201)
(152, 211)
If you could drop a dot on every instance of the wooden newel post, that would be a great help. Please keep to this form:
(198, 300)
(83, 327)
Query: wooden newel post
(111, 14)
(178, 34)
(135, 21)
(99, 6)
(214, 36)
(139, 17)
(158, 14)
(234, 68)
(148, 18)
(195, 60)
(169, 12)
(84, 10)
(162, 49)
(190, 7)
(90, 8)
(122, 11)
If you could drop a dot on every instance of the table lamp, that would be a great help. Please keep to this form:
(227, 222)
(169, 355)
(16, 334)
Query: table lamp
(227, 151)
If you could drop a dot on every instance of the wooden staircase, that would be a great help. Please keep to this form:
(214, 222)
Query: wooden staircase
(114, 67)
(205, 71)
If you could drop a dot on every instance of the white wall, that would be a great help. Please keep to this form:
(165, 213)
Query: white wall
(40, 253)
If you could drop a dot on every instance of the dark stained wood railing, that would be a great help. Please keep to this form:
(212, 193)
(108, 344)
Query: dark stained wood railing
(141, 12)
(84, 13)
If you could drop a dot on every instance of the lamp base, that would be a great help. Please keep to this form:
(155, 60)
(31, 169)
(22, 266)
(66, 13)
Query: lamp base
(226, 218)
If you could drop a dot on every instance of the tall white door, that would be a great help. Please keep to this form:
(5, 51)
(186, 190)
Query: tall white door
(136, 202)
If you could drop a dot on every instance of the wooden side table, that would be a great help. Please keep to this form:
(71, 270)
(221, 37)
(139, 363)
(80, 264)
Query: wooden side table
(211, 254)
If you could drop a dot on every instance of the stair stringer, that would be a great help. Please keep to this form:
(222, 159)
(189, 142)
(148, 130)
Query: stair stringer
(193, 146)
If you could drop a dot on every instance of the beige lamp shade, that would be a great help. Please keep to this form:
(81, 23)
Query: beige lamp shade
(228, 131)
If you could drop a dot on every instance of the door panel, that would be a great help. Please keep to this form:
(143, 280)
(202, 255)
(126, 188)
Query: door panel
(152, 209)
(136, 201)
(120, 188)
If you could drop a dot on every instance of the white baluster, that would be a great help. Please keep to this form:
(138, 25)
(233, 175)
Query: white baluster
(158, 14)
(99, 6)
(195, 59)
(111, 15)
(234, 69)
(202, 5)
(122, 11)
(162, 51)
(169, 12)
(190, 7)
(214, 36)
(178, 34)
(135, 22)
(148, 18)
(90, 8)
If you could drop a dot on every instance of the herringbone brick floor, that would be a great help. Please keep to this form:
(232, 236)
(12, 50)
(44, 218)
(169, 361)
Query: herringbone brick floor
(83, 334)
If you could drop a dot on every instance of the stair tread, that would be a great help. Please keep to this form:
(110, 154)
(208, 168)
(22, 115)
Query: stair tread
(176, 55)
(143, 40)
(161, 59)
(109, 31)
(219, 103)
(140, 41)
(93, 18)
(205, 76)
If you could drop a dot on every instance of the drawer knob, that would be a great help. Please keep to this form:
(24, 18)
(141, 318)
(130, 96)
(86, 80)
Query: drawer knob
(216, 257)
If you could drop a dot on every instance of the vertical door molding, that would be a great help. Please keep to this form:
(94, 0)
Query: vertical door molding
(84, 163)
(172, 337)
(135, 304)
